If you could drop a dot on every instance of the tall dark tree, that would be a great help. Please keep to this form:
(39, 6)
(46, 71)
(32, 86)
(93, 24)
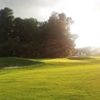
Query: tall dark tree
(25, 31)
(56, 39)
(6, 20)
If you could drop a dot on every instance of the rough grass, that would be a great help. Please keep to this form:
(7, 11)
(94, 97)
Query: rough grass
(50, 79)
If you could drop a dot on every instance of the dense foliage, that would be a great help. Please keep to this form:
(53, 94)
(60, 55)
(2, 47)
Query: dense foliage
(30, 38)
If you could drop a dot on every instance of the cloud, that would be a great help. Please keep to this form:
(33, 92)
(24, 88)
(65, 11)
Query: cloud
(27, 3)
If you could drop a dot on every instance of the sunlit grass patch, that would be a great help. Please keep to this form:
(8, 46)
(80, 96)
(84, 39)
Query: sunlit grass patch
(50, 79)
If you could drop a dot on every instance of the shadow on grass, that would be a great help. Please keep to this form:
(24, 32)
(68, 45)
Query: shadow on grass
(18, 62)
(11, 62)
(80, 58)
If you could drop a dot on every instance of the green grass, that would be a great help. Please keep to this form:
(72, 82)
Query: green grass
(50, 79)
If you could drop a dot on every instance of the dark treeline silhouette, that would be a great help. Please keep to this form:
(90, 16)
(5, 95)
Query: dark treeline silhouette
(31, 38)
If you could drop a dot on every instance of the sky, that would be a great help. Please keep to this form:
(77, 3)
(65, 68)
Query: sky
(85, 13)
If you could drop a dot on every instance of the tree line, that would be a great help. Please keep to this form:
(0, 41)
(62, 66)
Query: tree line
(30, 38)
(87, 51)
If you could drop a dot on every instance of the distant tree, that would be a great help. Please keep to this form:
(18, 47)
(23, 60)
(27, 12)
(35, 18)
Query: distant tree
(85, 51)
(95, 51)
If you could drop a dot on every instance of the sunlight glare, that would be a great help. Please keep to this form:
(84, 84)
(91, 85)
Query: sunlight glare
(87, 20)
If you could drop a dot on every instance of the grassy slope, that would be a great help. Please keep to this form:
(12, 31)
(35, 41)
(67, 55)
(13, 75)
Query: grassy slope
(50, 79)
